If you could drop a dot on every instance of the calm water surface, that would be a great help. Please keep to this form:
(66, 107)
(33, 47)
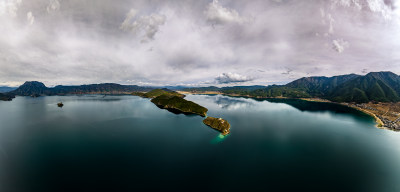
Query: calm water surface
(125, 143)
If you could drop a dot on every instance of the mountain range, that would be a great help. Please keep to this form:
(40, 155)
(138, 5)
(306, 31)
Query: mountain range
(35, 88)
(7, 89)
(374, 86)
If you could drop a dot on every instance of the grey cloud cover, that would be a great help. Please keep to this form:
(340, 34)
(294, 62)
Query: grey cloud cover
(226, 78)
(168, 42)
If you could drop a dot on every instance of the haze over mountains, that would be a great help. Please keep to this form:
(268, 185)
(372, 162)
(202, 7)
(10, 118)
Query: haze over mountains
(375, 86)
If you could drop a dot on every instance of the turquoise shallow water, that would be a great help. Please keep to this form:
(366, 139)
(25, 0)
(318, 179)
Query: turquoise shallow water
(125, 143)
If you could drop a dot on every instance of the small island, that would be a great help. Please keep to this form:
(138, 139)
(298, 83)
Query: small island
(218, 124)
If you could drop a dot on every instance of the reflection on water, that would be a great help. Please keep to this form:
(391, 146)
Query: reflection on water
(219, 138)
(129, 144)
(303, 105)
(103, 98)
(229, 102)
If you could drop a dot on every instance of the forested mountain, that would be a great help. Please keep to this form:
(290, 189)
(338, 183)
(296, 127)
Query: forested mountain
(376, 86)
(320, 86)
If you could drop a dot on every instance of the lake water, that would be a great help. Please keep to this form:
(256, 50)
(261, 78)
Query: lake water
(125, 143)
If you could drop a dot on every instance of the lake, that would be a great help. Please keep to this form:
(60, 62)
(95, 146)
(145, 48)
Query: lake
(126, 143)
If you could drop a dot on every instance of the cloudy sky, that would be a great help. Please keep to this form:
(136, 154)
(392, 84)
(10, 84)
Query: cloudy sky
(195, 42)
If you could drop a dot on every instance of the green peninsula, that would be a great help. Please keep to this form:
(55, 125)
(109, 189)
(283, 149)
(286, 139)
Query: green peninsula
(178, 104)
(218, 124)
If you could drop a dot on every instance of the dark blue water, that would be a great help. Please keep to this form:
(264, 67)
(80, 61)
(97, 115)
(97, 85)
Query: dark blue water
(125, 143)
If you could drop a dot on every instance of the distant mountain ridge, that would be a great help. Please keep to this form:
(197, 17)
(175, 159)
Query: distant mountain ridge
(7, 89)
(375, 86)
(35, 88)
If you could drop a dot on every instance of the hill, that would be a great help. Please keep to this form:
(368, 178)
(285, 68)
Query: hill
(31, 88)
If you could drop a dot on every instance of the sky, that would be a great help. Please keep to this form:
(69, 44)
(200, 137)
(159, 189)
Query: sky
(195, 42)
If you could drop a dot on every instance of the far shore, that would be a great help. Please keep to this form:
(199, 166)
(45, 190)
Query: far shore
(379, 122)
(200, 93)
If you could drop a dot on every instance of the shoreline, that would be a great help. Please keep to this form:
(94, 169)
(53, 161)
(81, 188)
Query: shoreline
(379, 122)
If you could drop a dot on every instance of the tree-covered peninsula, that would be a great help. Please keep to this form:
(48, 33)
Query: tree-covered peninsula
(179, 105)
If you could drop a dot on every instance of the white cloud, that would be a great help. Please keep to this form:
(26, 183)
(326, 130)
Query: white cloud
(380, 7)
(54, 5)
(147, 25)
(226, 78)
(217, 14)
(83, 43)
(331, 21)
(9, 7)
(30, 18)
(339, 45)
